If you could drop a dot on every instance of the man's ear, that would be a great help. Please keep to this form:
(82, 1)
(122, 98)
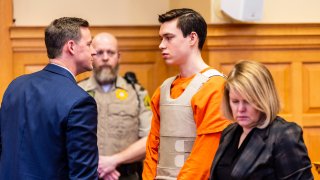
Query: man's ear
(70, 47)
(194, 39)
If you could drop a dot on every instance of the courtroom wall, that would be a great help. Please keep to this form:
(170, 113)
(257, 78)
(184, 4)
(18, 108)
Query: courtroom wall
(144, 12)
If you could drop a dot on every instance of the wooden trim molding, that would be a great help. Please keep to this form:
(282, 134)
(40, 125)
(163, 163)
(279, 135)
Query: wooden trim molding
(229, 36)
(130, 37)
(266, 36)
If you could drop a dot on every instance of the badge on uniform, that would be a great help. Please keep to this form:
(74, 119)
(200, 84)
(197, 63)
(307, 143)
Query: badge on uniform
(121, 94)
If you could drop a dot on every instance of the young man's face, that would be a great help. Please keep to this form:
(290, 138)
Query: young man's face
(174, 47)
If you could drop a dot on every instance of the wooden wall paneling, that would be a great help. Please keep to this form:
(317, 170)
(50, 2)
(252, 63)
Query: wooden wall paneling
(6, 18)
(282, 79)
(311, 76)
(29, 53)
(311, 137)
(297, 92)
(311, 96)
(26, 62)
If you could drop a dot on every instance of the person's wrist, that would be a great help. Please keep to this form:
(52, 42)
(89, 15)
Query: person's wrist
(116, 158)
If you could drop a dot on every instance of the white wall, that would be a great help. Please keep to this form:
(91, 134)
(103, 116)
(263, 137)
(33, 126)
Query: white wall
(202, 6)
(291, 11)
(145, 12)
(97, 12)
(277, 11)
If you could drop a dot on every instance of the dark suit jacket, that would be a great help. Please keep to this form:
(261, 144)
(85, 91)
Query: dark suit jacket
(276, 152)
(48, 128)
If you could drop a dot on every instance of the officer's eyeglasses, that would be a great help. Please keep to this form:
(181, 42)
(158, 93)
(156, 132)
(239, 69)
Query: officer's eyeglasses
(110, 53)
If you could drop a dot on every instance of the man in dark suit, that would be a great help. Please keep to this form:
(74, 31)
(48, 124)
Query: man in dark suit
(48, 123)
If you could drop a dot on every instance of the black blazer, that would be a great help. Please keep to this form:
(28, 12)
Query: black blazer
(275, 152)
(48, 128)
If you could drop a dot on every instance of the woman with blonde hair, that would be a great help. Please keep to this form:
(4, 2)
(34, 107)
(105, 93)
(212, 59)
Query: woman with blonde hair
(260, 144)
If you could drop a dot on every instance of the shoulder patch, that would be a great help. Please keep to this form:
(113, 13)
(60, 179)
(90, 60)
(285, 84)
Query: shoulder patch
(121, 94)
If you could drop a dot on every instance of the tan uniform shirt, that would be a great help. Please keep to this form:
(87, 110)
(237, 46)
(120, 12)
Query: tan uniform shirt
(121, 121)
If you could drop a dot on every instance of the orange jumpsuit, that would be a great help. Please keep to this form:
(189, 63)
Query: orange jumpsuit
(209, 123)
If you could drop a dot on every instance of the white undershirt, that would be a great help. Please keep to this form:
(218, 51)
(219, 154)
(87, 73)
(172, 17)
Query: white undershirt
(106, 87)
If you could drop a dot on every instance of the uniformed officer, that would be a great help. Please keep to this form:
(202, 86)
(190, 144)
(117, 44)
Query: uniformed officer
(124, 113)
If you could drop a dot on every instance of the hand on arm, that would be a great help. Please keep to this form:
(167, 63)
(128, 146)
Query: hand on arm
(106, 166)
(114, 175)
(134, 152)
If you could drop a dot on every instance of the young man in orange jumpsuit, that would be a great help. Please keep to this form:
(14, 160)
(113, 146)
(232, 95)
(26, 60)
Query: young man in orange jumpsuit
(187, 122)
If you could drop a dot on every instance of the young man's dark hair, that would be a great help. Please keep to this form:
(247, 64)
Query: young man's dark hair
(60, 31)
(188, 21)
